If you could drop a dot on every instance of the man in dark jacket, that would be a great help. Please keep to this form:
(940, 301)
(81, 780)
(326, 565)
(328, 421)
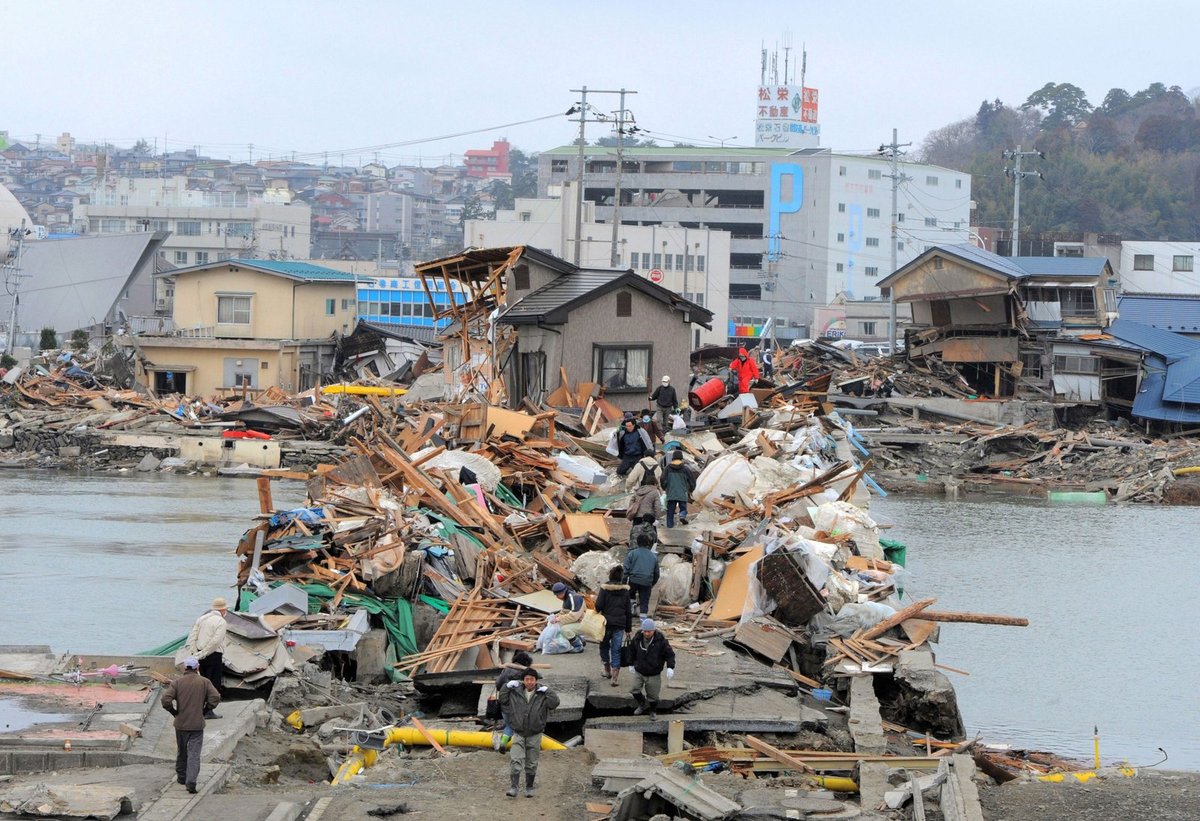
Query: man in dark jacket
(188, 698)
(666, 400)
(511, 672)
(679, 482)
(641, 568)
(612, 602)
(527, 705)
(630, 443)
(651, 653)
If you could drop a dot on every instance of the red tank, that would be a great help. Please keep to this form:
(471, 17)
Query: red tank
(704, 395)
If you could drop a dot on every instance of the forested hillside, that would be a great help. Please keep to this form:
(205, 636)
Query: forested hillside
(1128, 166)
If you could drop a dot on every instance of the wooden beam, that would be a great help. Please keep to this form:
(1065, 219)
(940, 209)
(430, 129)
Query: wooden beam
(777, 754)
(974, 618)
(889, 623)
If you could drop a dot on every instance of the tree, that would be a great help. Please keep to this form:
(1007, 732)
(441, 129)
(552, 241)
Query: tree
(1063, 105)
(141, 148)
(79, 340)
(473, 209)
(49, 339)
(524, 173)
(502, 195)
(1115, 101)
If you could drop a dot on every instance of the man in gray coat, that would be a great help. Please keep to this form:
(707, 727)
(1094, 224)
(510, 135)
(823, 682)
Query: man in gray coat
(527, 704)
(188, 698)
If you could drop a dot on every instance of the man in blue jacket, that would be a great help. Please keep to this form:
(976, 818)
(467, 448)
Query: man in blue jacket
(641, 568)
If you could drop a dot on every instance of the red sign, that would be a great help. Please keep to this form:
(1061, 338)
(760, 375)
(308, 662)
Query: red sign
(656, 275)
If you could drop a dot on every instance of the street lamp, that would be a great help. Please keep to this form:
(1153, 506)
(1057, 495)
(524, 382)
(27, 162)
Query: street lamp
(722, 140)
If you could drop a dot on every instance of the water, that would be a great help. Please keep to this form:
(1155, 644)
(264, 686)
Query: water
(1113, 613)
(117, 564)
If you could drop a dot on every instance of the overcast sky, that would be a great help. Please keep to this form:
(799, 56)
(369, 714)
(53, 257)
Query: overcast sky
(346, 77)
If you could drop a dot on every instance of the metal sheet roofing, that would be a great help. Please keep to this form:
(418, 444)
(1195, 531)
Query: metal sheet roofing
(1180, 314)
(553, 301)
(1011, 267)
(1183, 381)
(296, 270)
(1149, 402)
(1164, 343)
(1061, 266)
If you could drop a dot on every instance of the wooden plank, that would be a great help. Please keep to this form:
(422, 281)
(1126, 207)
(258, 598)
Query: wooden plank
(731, 598)
(416, 722)
(777, 754)
(265, 504)
(900, 616)
(675, 737)
(974, 618)
(918, 630)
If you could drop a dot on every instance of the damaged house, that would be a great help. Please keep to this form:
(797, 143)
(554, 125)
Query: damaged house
(530, 320)
(1020, 327)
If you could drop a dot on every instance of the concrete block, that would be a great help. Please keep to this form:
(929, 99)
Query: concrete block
(66, 761)
(6, 764)
(370, 654)
(613, 744)
(149, 462)
(872, 783)
(866, 725)
(23, 762)
(69, 452)
(102, 758)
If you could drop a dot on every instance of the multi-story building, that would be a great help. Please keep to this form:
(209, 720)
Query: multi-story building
(488, 163)
(205, 226)
(1160, 267)
(805, 225)
(692, 262)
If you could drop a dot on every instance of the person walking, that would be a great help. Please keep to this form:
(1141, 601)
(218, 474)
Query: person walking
(570, 618)
(629, 443)
(641, 568)
(613, 603)
(189, 698)
(666, 400)
(651, 653)
(644, 501)
(745, 369)
(511, 672)
(206, 642)
(527, 705)
(647, 471)
(768, 360)
(679, 482)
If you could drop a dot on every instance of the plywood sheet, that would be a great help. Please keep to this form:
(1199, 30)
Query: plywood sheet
(575, 525)
(732, 595)
(508, 422)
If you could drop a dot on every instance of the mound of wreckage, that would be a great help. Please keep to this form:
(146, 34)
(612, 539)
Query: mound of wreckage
(423, 560)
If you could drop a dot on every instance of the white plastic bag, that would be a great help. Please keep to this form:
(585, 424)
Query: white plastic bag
(677, 423)
(551, 641)
(727, 475)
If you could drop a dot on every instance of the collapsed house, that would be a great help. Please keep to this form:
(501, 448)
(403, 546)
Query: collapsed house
(529, 318)
(1012, 326)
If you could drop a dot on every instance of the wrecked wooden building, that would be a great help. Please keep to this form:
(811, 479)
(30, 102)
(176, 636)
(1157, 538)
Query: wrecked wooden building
(1018, 327)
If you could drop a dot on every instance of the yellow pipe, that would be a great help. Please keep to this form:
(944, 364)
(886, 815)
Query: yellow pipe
(834, 783)
(358, 760)
(363, 390)
(453, 738)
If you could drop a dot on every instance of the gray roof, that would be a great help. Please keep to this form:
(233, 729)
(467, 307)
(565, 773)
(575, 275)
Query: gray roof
(1010, 267)
(77, 283)
(551, 303)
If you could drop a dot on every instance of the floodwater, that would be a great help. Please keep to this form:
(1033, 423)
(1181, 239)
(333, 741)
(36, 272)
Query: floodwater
(118, 564)
(1113, 613)
(107, 563)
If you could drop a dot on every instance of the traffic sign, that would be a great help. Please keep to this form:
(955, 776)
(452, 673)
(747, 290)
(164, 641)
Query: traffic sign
(656, 275)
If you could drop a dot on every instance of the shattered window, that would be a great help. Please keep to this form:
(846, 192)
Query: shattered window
(625, 368)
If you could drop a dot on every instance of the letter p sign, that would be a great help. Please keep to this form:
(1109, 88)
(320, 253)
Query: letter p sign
(787, 197)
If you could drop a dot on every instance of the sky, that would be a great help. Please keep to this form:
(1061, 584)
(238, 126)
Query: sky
(349, 79)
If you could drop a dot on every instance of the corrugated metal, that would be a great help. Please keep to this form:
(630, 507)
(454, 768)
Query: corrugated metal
(1183, 381)
(1060, 266)
(1168, 313)
(1164, 343)
(1149, 404)
(289, 268)
(558, 294)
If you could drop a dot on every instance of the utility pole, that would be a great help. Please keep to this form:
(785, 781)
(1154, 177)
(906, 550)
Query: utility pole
(893, 150)
(582, 108)
(615, 258)
(12, 283)
(1016, 173)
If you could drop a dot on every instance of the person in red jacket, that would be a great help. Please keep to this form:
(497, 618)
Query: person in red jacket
(746, 369)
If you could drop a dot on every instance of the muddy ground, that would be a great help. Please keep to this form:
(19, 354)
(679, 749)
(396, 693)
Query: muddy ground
(1152, 796)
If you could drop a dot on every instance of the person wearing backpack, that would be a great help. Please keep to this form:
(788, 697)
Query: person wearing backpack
(613, 603)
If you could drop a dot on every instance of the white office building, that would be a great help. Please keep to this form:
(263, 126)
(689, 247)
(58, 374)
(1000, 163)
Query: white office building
(805, 225)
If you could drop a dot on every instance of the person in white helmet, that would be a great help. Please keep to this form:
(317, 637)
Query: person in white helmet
(666, 400)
